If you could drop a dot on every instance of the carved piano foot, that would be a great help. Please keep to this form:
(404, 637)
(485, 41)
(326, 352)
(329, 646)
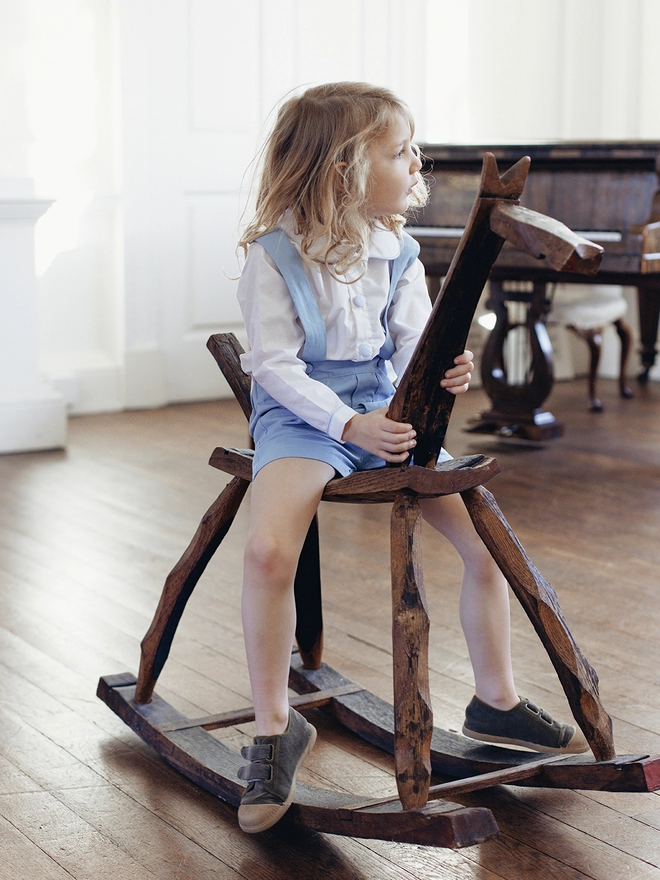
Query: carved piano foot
(536, 426)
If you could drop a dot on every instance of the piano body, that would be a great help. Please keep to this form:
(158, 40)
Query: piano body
(609, 192)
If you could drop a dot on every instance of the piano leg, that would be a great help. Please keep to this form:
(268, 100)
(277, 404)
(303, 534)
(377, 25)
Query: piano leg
(517, 391)
(648, 298)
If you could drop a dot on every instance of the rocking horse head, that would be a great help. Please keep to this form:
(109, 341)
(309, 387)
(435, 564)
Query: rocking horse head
(496, 217)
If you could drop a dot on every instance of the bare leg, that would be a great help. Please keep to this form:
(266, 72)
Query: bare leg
(285, 495)
(484, 603)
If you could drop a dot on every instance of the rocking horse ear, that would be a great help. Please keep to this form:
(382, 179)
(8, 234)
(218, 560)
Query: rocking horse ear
(510, 185)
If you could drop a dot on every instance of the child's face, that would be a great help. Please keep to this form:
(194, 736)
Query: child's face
(394, 168)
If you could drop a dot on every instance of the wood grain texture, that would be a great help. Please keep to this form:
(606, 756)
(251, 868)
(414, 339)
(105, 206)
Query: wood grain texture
(181, 582)
(413, 716)
(214, 767)
(545, 238)
(226, 349)
(453, 755)
(496, 217)
(412, 711)
(380, 485)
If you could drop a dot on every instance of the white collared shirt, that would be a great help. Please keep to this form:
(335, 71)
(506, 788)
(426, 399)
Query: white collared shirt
(352, 316)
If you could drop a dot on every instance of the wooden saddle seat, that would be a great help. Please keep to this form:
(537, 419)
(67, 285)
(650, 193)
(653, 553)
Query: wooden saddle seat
(417, 814)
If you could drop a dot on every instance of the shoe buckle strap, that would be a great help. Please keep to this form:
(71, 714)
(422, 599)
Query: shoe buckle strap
(254, 771)
(258, 752)
(541, 713)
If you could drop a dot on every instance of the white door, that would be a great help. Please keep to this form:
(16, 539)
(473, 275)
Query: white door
(191, 110)
(199, 77)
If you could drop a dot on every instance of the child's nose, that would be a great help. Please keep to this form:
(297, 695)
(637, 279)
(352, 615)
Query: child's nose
(415, 165)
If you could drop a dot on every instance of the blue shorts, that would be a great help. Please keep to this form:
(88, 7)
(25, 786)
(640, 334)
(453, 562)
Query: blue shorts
(278, 433)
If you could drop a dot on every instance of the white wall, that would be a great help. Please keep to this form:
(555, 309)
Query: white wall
(198, 84)
(140, 116)
(515, 70)
(61, 129)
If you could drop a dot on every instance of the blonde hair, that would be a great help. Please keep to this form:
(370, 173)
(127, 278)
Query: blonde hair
(315, 164)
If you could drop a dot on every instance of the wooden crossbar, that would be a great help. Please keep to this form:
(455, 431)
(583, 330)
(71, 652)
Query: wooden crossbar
(507, 775)
(242, 716)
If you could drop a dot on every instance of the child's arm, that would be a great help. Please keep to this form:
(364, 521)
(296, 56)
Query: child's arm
(276, 337)
(390, 440)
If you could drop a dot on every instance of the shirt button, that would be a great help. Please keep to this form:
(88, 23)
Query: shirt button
(359, 301)
(365, 350)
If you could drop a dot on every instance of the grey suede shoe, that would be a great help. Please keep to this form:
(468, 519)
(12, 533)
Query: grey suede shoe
(524, 725)
(271, 773)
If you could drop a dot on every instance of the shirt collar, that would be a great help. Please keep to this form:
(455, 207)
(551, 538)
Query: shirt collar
(384, 245)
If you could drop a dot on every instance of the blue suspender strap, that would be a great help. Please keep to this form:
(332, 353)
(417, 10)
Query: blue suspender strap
(279, 247)
(408, 255)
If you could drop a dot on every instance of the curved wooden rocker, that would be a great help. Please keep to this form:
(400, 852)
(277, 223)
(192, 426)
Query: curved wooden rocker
(419, 813)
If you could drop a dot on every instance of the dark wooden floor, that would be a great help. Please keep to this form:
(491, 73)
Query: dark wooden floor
(86, 539)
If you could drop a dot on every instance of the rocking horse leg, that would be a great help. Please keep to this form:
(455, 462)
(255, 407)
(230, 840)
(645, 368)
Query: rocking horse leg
(413, 717)
(540, 602)
(307, 592)
(181, 582)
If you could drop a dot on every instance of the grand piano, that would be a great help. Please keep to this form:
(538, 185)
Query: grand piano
(609, 192)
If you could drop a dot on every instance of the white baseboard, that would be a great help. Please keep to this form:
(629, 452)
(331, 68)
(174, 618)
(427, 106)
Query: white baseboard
(34, 423)
(89, 382)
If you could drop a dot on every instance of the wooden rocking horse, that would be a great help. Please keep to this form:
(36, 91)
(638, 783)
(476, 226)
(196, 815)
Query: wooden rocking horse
(419, 814)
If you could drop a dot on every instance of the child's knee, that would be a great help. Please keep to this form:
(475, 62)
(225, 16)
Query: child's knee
(478, 561)
(268, 557)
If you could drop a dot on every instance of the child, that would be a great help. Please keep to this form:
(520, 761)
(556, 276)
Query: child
(334, 300)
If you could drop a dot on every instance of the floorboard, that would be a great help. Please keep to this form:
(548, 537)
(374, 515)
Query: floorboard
(87, 537)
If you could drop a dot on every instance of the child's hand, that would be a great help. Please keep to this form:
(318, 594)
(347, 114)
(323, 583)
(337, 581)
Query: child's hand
(379, 435)
(458, 378)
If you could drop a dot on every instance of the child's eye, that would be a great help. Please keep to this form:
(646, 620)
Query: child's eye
(399, 154)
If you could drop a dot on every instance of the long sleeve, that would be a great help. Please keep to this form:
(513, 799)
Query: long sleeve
(408, 314)
(352, 316)
(276, 341)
